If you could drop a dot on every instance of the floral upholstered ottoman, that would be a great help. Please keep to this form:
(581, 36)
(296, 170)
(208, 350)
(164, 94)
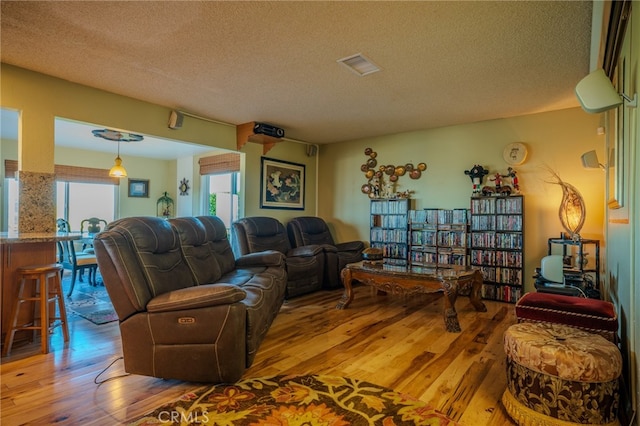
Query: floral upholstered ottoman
(559, 375)
(592, 315)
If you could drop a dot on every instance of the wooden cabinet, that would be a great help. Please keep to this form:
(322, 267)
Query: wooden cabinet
(389, 228)
(438, 237)
(13, 257)
(497, 245)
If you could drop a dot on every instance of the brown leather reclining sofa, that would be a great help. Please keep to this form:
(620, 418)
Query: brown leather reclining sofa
(187, 308)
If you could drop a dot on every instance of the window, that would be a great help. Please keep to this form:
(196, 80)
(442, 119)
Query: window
(81, 192)
(220, 186)
(221, 193)
(12, 204)
(78, 201)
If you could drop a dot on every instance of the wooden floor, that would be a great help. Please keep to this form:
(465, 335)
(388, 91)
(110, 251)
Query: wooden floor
(397, 342)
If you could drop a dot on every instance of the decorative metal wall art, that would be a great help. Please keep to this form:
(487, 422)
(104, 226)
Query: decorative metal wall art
(184, 187)
(376, 187)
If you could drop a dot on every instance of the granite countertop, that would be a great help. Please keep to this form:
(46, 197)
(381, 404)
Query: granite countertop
(37, 237)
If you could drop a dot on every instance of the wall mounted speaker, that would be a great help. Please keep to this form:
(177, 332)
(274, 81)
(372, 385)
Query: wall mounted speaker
(590, 160)
(312, 150)
(175, 119)
(596, 93)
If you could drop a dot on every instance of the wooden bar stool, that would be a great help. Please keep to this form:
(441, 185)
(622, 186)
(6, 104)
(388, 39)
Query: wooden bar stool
(48, 289)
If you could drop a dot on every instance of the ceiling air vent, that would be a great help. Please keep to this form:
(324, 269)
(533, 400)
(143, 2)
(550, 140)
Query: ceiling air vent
(359, 64)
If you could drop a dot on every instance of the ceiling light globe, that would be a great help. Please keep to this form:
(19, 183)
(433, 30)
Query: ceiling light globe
(117, 170)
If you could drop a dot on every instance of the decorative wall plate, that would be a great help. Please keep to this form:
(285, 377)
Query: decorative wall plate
(515, 153)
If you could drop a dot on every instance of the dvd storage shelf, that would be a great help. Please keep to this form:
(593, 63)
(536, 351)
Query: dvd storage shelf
(389, 228)
(497, 245)
(438, 237)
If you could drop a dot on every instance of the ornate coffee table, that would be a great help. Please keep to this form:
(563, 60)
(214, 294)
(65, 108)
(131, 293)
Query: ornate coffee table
(412, 280)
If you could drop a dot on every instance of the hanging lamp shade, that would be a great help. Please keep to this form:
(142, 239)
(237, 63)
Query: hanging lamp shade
(117, 170)
(113, 135)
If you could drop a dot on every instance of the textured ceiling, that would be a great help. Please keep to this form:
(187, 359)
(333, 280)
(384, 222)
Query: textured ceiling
(443, 63)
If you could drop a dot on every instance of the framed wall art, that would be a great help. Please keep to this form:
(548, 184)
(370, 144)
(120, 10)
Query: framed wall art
(139, 188)
(281, 185)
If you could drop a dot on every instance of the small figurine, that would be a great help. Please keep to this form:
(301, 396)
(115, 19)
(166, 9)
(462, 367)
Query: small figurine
(497, 178)
(514, 178)
(476, 174)
(375, 187)
(388, 189)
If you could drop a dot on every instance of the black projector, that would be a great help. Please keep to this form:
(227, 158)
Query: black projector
(268, 129)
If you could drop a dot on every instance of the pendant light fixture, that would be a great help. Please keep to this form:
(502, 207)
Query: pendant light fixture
(113, 135)
(117, 170)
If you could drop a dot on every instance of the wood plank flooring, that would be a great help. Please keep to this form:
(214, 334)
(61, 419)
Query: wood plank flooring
(394, 341)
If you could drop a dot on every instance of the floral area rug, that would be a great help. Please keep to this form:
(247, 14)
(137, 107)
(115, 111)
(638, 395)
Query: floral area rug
(89, 302)
(295, 401)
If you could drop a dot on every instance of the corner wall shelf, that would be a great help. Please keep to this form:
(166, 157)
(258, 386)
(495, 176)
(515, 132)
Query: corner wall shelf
(244, 134)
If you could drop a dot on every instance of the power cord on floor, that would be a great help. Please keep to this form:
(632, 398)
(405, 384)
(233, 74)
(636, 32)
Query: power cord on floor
(95, 380)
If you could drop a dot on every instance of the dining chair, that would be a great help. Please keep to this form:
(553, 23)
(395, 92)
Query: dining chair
(63, 225)
(77, 263)
(91, 226)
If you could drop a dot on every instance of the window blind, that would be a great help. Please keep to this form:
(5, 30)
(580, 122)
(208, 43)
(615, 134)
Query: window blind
(222, 163)
(68, 173)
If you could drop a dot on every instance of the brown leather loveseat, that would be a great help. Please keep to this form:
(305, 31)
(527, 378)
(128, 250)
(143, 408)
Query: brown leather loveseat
(187, 308)
(305, 264)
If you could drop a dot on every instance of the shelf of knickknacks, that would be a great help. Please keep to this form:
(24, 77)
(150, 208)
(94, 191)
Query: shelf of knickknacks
(477, 174)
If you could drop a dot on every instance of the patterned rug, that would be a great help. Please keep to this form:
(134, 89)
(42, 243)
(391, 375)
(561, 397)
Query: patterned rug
(295, 401)
(99, 317)
(89, 302)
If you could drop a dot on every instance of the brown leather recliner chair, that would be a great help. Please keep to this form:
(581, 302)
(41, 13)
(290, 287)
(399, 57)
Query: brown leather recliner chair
(187, 309)
(305, 264)
(307, 230)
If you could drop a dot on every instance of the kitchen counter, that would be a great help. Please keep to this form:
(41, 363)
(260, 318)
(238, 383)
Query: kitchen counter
(37, 237)
(24, 249)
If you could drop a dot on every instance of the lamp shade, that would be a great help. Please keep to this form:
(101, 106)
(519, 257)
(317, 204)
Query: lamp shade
(117, 170)
(596, 93)
(572, 211)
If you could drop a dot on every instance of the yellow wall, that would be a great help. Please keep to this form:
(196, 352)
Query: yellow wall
(555, 140)
(156, 171)
(40, 99)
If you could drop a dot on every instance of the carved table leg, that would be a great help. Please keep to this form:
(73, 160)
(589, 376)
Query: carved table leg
(476, 291)
(347, 297)
(450, 315)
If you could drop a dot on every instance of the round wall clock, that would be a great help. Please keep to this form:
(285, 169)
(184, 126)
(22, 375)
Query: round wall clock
(184, 187)
(515, 153)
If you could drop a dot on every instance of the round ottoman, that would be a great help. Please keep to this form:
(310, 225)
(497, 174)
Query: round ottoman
(559, 375)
